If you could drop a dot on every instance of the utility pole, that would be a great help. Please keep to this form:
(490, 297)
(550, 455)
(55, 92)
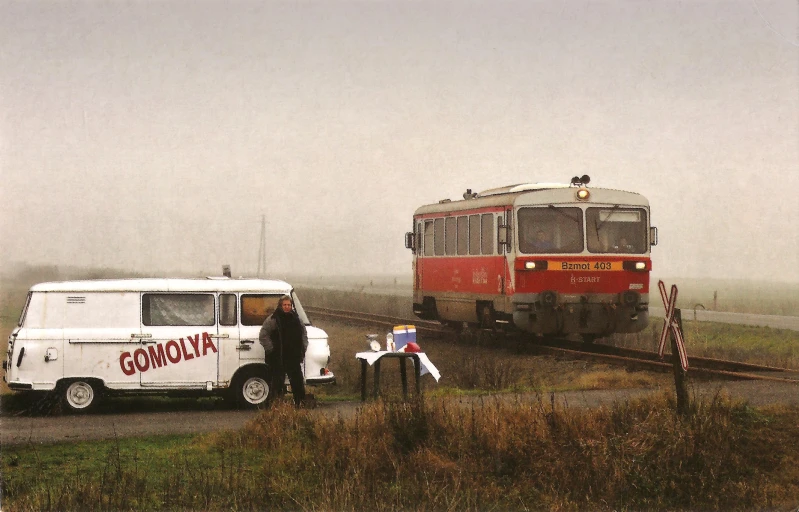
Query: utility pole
(262, 249)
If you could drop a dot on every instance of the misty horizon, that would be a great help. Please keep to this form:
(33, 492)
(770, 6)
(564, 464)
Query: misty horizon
(155, 137)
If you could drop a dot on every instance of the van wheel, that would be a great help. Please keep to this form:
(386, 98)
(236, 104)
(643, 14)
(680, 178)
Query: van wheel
(251, 390)
(79, 396)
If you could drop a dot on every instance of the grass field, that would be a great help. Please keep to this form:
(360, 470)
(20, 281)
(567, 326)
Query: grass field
(432, 455)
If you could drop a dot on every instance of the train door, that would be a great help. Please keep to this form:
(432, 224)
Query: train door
(418, 253)
(507, 252)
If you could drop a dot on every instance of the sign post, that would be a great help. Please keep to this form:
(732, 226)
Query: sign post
(673, 325)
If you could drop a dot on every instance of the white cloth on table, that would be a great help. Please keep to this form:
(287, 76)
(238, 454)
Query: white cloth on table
(426, 365)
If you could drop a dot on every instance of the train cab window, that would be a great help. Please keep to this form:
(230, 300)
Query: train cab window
(451, 237)
(474, 234)
(487, 227)
(463, 236)
(227, 309)
(439, 237)
(429, 237)
(616, 230)
(550, 229)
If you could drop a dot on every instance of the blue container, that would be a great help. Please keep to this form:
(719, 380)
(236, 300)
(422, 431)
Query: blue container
(404, 334)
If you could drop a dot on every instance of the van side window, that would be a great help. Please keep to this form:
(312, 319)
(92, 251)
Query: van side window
(255, 308)
(174, 309)
(227, 309)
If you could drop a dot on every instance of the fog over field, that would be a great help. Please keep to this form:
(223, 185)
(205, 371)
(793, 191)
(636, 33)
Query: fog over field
(153, 136)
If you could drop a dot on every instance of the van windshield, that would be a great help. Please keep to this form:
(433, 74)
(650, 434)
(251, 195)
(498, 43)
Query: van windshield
(300, 311)
(24, 310)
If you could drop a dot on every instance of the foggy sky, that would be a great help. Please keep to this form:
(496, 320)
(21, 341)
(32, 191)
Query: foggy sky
(154, 135)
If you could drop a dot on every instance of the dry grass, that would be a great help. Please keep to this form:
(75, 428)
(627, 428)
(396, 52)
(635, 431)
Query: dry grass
(439, 454)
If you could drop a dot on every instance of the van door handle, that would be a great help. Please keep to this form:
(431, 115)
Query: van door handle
(225, 336)
(245, 345)
(134, 335)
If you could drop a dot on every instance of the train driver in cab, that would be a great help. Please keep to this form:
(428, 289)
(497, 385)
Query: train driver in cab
(541, 242)
(623, 245)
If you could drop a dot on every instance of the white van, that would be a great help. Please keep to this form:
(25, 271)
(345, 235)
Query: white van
(197, 336)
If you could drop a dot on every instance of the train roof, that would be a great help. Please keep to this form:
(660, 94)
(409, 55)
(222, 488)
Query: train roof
(210, 284)
(531, 194)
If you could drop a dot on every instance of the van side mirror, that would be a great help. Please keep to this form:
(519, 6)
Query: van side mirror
(409, 241)
(653, 235)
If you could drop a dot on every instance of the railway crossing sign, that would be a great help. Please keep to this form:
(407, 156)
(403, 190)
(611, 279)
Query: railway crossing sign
(671, 324)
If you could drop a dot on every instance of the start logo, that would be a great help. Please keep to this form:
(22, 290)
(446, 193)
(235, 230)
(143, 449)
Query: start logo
(159, 354)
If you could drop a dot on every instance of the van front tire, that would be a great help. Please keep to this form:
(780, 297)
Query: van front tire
(251, 390)
(79, 396)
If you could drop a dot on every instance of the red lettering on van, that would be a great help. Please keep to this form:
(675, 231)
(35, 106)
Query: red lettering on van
(208, 342)
(156, 356)
(186, 355)
(195, 344)
(169, 345)
(126, 363)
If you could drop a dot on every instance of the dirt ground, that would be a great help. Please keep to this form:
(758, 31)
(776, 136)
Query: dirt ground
(50, 429)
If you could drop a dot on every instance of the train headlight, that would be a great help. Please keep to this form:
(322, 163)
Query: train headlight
(583, 194)
(638, 266)
(535, 265)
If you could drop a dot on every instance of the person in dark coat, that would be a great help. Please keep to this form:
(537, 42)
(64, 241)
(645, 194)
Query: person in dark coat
(285, 341)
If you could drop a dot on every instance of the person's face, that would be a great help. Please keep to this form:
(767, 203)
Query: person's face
(542, 236)
(286, 306)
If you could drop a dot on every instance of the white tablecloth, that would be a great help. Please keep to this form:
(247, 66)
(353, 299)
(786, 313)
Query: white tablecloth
(427, 366)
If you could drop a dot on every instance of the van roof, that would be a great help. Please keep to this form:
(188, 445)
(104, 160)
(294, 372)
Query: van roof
(166, 285)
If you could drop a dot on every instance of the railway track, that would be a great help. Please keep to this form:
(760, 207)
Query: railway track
(630, 358)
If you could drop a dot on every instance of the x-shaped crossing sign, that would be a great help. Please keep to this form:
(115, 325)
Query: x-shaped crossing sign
(670, 324)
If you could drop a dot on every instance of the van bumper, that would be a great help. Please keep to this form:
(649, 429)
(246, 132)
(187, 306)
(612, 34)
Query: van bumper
(19, 386)
(326, 379)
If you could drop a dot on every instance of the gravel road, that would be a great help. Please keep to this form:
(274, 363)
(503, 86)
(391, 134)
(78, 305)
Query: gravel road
(50, 429)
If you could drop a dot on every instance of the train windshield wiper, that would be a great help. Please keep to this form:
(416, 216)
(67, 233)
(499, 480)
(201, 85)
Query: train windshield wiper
(599, 223)
(560, 211)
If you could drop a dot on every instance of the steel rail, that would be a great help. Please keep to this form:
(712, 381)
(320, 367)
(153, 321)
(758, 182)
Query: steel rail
(631, 358)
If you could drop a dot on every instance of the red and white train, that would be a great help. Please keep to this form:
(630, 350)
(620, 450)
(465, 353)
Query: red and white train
(545, 258)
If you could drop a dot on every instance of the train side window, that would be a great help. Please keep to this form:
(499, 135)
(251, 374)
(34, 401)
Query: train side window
(451, 236)
(463, 235)
(227, 309)
(474, 234)
(487, 221)
(439, 241)
(429, 238)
